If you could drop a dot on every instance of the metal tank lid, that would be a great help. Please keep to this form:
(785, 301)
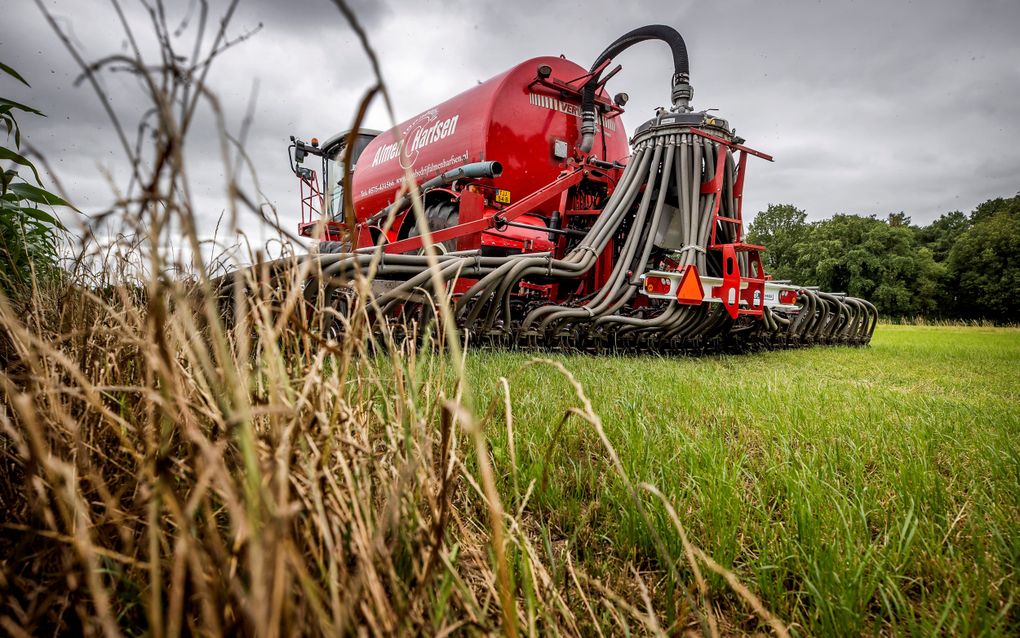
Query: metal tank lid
(669, 120)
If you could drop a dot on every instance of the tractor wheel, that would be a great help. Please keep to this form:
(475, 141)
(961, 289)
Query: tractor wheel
(341, 306)
(439, 216)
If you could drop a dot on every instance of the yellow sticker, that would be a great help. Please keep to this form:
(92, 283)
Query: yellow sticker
(503, 196)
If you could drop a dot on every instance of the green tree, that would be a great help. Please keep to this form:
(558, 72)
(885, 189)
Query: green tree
(984, 263)
(28, 234)
(993, 207)
(957, 266)
(940, 235)
(898, 219)
(781, 229)
(867, 257)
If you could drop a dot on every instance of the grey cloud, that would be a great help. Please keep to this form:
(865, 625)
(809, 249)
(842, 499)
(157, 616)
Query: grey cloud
(867, 107)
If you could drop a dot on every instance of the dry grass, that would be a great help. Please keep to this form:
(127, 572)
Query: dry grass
(165, 473)
(166, 469)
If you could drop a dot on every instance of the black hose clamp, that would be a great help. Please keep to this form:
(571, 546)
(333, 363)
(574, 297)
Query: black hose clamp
(587, 122)
(682, 93)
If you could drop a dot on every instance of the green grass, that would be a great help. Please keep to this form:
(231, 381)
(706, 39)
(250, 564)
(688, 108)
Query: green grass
(855, 491)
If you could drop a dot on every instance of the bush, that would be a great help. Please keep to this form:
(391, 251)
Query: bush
(29, 234)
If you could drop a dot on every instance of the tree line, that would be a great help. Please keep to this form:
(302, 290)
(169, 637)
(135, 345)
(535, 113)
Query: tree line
(957, 267)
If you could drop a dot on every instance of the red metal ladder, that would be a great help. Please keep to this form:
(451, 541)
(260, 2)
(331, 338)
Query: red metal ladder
(732, 292)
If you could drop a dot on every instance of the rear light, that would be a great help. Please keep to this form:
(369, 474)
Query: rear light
(787, 297)
(658, 285)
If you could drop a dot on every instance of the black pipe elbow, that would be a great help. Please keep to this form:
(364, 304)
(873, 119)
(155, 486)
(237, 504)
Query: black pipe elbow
(681, 88)
(669, 35)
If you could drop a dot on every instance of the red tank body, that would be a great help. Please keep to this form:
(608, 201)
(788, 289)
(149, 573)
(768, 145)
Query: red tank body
(527, 127)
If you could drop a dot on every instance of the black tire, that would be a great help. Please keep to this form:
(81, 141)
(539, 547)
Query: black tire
(342, 303)
(439, 216)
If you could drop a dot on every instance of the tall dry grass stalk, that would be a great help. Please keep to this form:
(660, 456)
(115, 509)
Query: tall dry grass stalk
(169, 467)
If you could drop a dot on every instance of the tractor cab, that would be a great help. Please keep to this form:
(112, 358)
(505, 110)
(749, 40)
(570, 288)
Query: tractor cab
(322, 200)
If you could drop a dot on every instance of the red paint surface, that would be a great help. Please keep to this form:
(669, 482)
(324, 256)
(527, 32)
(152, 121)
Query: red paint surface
(502, 119)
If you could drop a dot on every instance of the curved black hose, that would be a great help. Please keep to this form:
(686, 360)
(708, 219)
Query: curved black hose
(681, 71)
(669, 35)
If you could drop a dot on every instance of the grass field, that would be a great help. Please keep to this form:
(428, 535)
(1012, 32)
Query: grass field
(857, 491)
(160, 474)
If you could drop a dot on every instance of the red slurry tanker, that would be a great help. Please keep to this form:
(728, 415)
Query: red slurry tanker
(552, 228)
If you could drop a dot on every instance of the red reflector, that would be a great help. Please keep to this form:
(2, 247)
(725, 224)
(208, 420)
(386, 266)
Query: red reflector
(690, 291)
(657, 285)
(787, 297)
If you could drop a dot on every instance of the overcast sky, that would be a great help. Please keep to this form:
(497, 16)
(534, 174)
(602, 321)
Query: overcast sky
(868, 107)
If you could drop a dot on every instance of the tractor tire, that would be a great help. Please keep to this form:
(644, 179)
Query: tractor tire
(439, 216)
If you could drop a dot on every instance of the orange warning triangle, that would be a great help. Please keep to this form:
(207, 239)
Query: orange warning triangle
(690, 291)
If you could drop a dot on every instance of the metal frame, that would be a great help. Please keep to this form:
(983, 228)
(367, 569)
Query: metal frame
(769, 298)
(741, 295)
